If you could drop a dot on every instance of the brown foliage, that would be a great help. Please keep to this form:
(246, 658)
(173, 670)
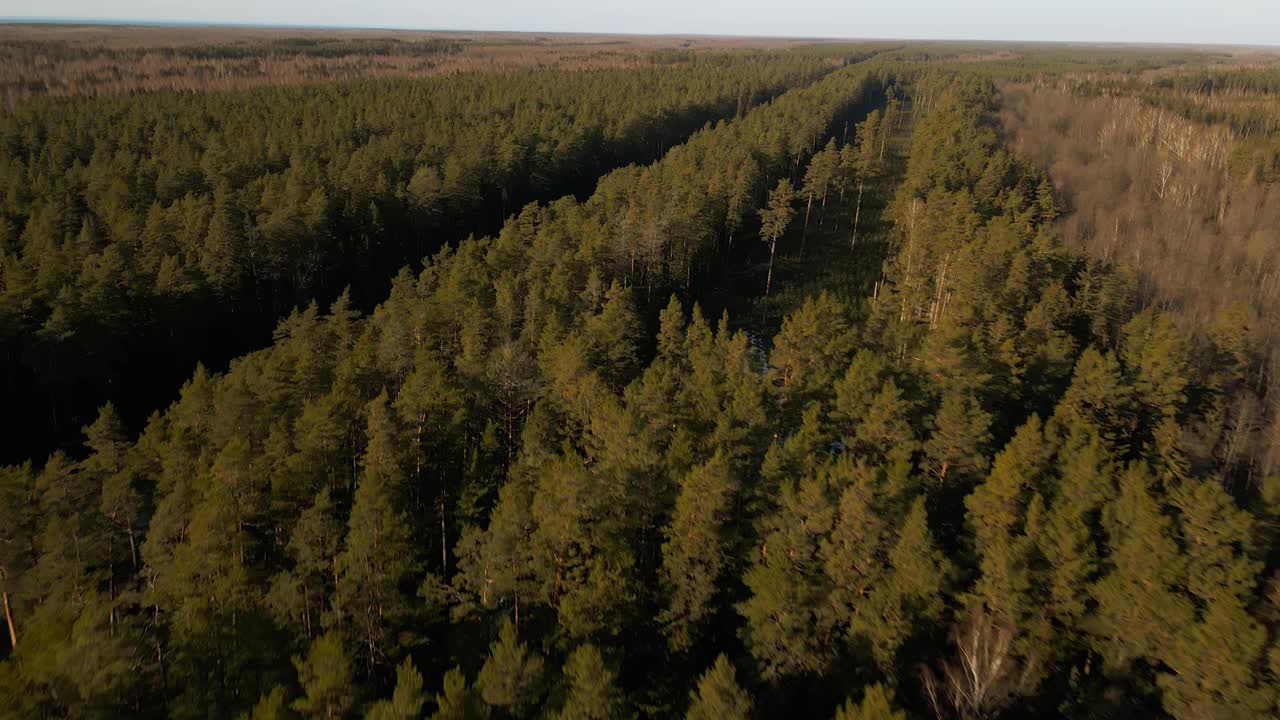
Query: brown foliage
(98, 60)
(1143, 187)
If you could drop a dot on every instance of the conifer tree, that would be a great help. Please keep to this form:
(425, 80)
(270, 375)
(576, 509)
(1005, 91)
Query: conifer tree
(592, 688)
(302, 594)
(327, 676)
(698, 549)
(997, 511)
(1139, 612)
(511, 679)
(810, 352)
(885, 431)
(457, 701)
(18, 528)
(787, 586)
(407, 699)
(855, 554)
(957, 447)
(376, 559)
(774, 219)
(918, 578)
(863, 163)
(876, 704)
(1156, 359)
(1067, 540)
(273, 706)
(1099, 396)
(718, 696)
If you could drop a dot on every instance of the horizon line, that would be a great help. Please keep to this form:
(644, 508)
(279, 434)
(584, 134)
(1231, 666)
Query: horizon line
(155, 23)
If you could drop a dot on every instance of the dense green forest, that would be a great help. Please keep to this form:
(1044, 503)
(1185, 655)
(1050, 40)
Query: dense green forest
(142, 234)
(812, 411)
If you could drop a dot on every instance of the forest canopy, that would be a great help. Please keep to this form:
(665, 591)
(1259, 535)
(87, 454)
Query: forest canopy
(825, 381)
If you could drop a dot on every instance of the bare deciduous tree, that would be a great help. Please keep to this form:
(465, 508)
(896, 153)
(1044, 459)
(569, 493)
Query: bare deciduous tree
(984, 672)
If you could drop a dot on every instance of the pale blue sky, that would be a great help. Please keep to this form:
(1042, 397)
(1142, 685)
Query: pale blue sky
(1202, 21)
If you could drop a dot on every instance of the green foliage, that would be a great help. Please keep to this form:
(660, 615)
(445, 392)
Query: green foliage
(876, 704)
(521, 461)
(699, 548)
(273, 706)
(592, 688)
(407, 700)
(459, 702)
(176, 227)
(377, 558)
(718, 695)
(511, 679)
(327, 677)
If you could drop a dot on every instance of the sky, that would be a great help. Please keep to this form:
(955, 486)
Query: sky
(1246, 22)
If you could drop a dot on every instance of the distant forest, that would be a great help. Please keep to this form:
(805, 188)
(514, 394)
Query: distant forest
(710, 380)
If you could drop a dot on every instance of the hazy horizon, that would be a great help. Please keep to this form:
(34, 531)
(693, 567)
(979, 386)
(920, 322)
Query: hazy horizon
(1181, 22)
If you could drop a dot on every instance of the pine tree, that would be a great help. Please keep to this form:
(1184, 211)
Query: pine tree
(497, 564)
(301, 594)
(273, 706)
(1216, 666)
(1099, 397)
(457, 701)
(961, 433)
(1067, 541)
(863, 163)
(377, 558)
(718, 696)
(327, 676)
(1003, 512)
(511, 679)
(1219, 540)
(592, 688)
(885, 431)
(19, 520)
(818, 178)
(876, 704)
(855, 555)
(698, 549)
(1157, 361)
(788, 589)
(774, 219)
(614, 333)
(1139, 612)
(1216, 661)
(910, 598)
(406, 700)
(856, 389)
(222, 255)
(810, 352)
(1046, 206)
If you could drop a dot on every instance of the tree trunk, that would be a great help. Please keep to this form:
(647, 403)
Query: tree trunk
(804, 232)
(768, 282)
(8, 619)
(306, 610)
(133, 546)
(444, 540)
(856, 214)
(111, 583)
